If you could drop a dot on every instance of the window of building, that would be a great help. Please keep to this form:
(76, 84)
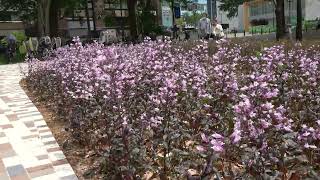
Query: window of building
(254, 10)
(116, 8)
(116, 12)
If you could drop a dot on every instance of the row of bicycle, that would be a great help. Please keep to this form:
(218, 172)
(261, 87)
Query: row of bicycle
(41, 47)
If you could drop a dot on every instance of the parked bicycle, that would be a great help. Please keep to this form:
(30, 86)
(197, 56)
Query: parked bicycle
(42, 48)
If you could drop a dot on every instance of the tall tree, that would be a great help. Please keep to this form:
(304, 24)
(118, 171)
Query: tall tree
(280, 19)
(132, 4)
(40, 11)
(25, 8)
(231, 6)
(44, 17)
(299, 21)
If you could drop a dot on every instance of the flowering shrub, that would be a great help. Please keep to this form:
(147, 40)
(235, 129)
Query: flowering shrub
(167, 110)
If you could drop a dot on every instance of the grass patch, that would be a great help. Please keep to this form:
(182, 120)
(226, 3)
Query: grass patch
(17, 59)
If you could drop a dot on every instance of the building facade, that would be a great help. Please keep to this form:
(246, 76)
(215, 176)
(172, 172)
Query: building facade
(10, 22)
(264, 10)
(234, 23)
(103, 15)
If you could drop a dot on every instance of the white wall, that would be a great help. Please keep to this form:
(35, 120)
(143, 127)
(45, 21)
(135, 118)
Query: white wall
(223, 19)
(77, 25)
(240, 18)
(312, 8)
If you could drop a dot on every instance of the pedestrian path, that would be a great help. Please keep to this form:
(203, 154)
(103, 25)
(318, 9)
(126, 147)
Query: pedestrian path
(28, 149)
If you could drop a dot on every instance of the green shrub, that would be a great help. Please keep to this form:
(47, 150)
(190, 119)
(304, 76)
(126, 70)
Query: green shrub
(20, 37)
(110, 21)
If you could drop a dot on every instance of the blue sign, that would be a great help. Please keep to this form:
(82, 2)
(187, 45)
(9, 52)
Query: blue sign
(177, 12)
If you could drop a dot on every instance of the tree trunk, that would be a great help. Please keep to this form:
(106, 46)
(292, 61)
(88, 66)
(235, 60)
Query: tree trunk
(280, 20)
(54, 19)
(47, 4)
(132, 19)
(149, 5)
(299, 21)
(173, 15)
(40, 19)
(44, 17)
(94, 15)
(88, 19)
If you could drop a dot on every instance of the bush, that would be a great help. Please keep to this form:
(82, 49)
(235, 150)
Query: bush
(264, 28)
(173, 111)
(258, 22)
(110, 21)
(20, 36)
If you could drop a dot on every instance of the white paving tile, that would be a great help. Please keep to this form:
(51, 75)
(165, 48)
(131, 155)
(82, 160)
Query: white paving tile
(11, 161)
(25, 141)
(63, 170)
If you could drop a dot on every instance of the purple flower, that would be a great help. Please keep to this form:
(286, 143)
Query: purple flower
(217, 145)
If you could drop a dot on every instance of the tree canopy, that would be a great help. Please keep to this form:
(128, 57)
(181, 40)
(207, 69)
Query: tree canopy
(26, 8)
(231, 6)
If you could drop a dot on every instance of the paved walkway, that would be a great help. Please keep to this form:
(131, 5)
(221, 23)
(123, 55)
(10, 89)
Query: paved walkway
(28, 149)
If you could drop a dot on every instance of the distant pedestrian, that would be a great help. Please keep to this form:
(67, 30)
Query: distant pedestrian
(186, 32)
(11, 40)
(217, 30)
(175, 30)
(289, 31)
(11, 47)
(204, 27)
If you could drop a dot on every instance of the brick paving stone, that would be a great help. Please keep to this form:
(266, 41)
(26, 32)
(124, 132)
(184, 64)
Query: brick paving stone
(12, 117)
(41, 157)
(6, 150)
(28, 149)
(6, 126)
(17, 170)
(4, 177)
(70, 177)
(2, 134)
(53, 149)
(60, 162)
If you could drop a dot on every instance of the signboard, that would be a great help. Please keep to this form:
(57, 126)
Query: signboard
(177, 12)
(166, 16)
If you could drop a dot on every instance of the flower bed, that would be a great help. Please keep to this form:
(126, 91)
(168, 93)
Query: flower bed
(166, 110)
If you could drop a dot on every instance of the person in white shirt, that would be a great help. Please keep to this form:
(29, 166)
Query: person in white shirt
(217, 30)
(204, 27)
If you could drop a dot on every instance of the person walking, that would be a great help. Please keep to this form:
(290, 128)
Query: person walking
(186, 32)
(175, 30)
(217, 30)
(11, 47)
(204, 27)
